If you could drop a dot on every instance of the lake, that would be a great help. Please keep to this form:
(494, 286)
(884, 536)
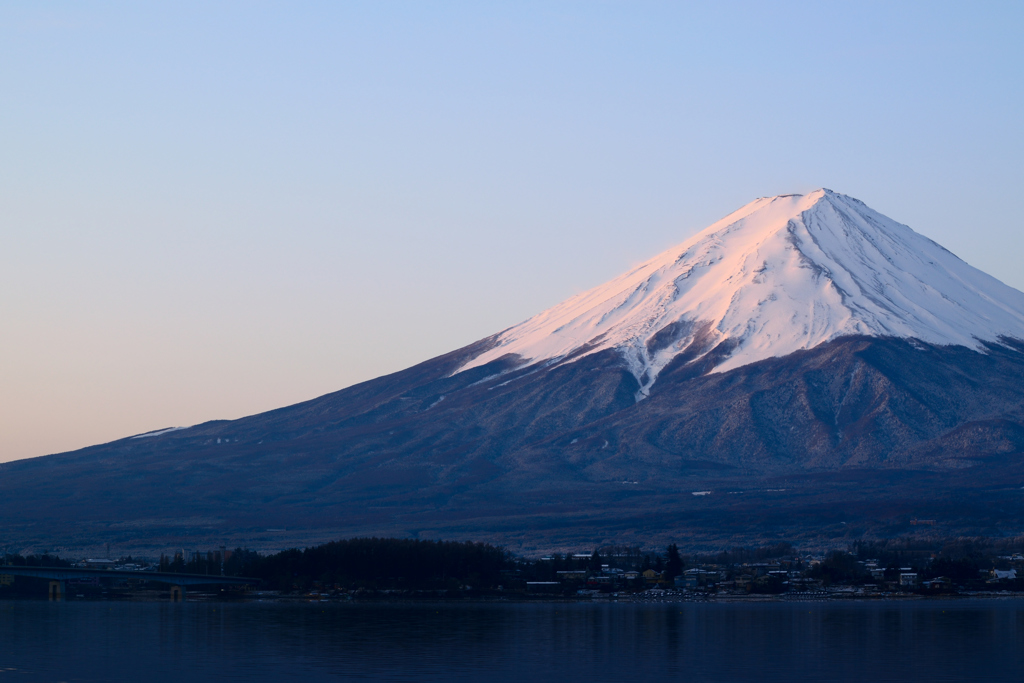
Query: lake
(952, 640)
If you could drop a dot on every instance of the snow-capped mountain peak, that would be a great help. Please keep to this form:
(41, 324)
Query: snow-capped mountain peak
(779, 275)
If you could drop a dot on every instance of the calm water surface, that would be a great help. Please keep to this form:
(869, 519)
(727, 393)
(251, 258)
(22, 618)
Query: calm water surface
(865, 641)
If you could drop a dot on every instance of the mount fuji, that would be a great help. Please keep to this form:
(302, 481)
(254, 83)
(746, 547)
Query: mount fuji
(804, 368)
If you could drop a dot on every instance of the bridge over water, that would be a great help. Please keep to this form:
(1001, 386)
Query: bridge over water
(59, 576)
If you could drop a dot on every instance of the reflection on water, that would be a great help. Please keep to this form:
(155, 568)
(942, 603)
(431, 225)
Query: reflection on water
(918, 641)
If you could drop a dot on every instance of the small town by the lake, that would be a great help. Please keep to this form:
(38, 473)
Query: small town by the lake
(403, 569)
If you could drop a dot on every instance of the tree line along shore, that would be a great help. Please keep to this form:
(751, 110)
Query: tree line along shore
(368, 567)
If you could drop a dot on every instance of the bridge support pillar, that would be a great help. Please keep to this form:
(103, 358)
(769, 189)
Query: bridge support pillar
(57, 590)
(177, 593)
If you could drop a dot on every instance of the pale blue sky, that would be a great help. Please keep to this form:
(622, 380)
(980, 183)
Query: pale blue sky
(212, 209)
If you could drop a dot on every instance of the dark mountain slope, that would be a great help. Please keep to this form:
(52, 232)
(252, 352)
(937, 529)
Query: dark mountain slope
(872, 430)
(852, 403)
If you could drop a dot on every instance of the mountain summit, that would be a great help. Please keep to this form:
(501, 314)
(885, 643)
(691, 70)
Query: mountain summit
(808, 369)
(779, 275)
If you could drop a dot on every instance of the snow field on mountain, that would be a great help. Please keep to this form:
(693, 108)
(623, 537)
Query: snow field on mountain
(779, 275)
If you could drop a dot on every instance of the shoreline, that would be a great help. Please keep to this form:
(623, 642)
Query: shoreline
(634, 599)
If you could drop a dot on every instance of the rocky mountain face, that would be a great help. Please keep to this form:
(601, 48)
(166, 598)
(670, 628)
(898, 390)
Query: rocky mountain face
(642, 411)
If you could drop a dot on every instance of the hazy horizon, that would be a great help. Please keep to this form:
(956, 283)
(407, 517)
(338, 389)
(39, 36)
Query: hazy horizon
(212, 211)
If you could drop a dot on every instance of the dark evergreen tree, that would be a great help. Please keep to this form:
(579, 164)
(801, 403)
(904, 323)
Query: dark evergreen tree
(375, 563)
(673, 562)
(839, 567)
